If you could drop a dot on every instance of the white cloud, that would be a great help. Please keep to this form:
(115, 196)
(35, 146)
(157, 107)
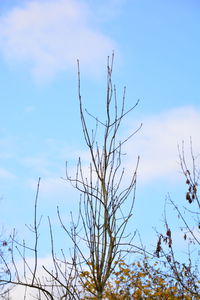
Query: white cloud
(51, 35)
(5, 174)
(157, 142)
(18, 291)
(51, 186)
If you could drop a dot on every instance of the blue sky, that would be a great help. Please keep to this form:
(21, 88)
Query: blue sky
(157, 48)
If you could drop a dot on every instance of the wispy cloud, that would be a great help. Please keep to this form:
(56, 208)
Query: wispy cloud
(157, 142)
(5, 174)
(18, 291)
(51, 35)
(51, 187)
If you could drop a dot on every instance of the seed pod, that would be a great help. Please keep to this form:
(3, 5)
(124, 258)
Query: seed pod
(188, 196)
(168, 233)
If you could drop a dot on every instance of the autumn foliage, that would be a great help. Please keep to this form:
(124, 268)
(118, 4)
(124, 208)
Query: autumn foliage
(141, 280)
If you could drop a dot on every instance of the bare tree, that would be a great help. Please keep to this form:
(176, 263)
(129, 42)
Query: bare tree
(4, 260)
(99, 236)
(105, 206)
(4, 274)
(58, 282)
(186, 273)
